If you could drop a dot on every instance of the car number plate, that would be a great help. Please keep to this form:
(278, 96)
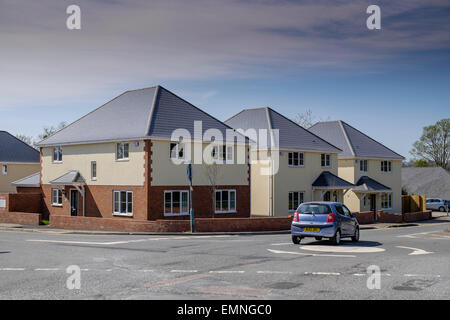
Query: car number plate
(311, 229)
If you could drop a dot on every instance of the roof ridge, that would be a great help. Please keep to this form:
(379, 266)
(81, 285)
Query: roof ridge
(304, 128)
(152, 109)
(372, 139)
(352, 150)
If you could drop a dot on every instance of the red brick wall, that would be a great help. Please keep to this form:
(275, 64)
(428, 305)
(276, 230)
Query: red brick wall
(21, 218)
(25, 202)
(387, 217)
(416, 216)
(365, 217)
(242, 224)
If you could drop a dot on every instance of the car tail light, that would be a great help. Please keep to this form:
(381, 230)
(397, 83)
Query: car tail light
(330, 217)
(296, 217)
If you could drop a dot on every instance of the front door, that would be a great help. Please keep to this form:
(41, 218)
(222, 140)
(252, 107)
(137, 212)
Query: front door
(373, 205)
(73, 202)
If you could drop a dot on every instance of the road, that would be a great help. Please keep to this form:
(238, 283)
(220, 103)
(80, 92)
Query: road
(414, 264)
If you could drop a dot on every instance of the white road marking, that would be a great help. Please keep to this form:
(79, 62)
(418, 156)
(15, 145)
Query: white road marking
(146, 270)
(12, 269)
(324, 273)
(46, 269)
(274, 272)
(313, 254)
(416, 251)
(184, 271)
(281, 244)
(227, 271)
(343, 249)
(422, 275)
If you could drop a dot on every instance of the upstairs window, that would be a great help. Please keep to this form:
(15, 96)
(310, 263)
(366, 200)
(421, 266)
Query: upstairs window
(122, 151)
(386, 166)
(296, 159)
(176, 151)
(223, 153)
(363, 166)
(5, 169)
(94, 170)
(57, 154)
(325, 160)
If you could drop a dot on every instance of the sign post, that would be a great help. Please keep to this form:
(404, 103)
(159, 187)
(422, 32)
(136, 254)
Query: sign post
(189, 176)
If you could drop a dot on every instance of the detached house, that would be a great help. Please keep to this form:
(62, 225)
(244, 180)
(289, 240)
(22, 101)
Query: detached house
(18, 160)
(372, 167)
(307, 168)
(120, 162)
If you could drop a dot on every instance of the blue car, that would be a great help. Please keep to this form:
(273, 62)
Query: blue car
(319, 220)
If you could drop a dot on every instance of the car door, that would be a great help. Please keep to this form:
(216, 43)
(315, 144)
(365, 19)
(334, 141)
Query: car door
(351, 221)
(345, 221)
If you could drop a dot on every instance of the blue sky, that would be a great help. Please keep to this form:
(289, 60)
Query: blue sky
(227, 55)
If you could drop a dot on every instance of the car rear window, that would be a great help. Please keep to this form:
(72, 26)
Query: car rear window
(316, 208)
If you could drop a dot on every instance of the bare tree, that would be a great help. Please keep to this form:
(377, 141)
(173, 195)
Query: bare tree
(27, 139)
(48, 131)
(307, 119)
(212, 173)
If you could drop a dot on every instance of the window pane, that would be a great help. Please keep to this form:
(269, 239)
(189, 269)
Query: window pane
(296, 159)
(168, 202)
(123, 202)
(295, 200)
(176, 201)
(230, 150)
(125, 150)
(302, 196)
(184, 202)
(130, 202)
(232, 200)
(300, 159)
(119, 151)
(218, 202)
(59, 196)
(290, 159)
(116, 201)
(291, 201)
(225, 201)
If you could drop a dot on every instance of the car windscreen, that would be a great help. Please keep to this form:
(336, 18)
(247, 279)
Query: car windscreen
(314, 208)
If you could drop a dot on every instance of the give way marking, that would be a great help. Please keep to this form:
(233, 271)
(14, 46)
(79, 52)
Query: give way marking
(416, 251)
(312, 254)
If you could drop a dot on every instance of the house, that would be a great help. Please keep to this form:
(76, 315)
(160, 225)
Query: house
(303, 167)
(432, 182)
(120, 162)
(17, 160)
(372, 167)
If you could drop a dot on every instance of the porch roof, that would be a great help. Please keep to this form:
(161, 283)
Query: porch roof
(327, 180)
(366, 184)
(70, 178)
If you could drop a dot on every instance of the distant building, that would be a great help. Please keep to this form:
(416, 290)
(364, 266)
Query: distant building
(17, 160)
(432, 182)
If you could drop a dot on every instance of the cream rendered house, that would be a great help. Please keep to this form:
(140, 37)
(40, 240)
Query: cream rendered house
(120, 162)
(372, 167)
(307, 165)
(17, 160)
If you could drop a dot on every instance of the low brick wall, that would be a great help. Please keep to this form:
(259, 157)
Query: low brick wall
(417, 216)
(387, 217)
(365, 217)
(201, 224)
(21, 218)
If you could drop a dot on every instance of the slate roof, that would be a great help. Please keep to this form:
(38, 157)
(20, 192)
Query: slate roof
(354, 143)
(433, 182)
(153, 112)
(328, 180)
(291, 135)
(366, 184)
(15, 150)
(31, 181)
(68, 179)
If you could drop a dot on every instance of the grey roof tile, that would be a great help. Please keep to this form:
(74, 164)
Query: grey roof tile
(328, 180)
(31, 181)
(367, 184)
(353, 142)
(15, 150)
(69, 178)
(143, 113)
(291, 135)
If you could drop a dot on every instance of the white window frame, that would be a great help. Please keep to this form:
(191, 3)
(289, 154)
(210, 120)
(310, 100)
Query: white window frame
(4, 169)
(300, 159)
(386, 204)
(93, 176)
(323, 160)
(386, 166)
(171, 213)
(127, 213)
(59, 155)
(122, 145)
(177, 151)
(58, 197)
(223, 153)
(364, 165)
(301, 199)
(221, 191)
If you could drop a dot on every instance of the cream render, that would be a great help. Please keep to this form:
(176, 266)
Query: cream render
(167, 173)
(288, 179)
(16, 171)
(349, 169)
(110, 171)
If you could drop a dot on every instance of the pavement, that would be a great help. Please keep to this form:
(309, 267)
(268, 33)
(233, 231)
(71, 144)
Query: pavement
(413, 264)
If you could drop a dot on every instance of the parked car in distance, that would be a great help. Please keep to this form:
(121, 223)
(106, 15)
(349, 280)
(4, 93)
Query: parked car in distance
(332, 220)
(437, 204)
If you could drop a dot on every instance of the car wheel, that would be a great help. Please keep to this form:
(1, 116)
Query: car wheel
(441, 209)
(337, 238)
(296, 239)
(318, 238)
(355, 238)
